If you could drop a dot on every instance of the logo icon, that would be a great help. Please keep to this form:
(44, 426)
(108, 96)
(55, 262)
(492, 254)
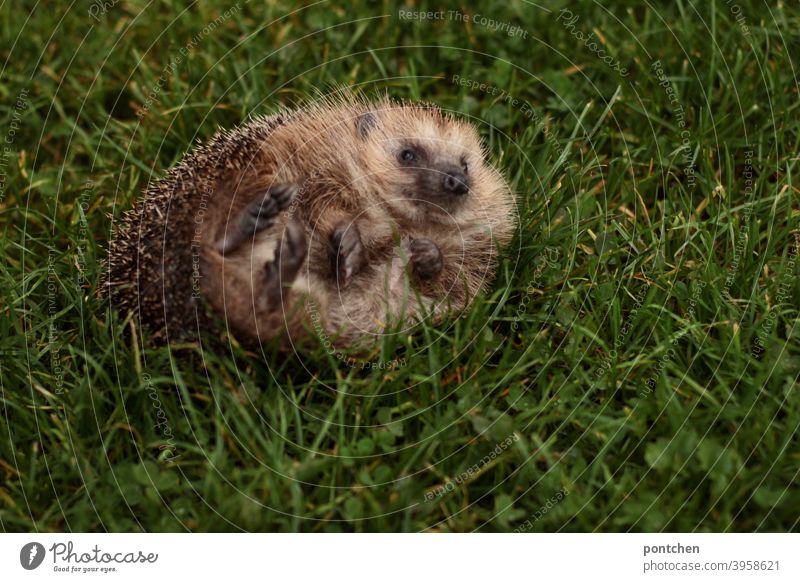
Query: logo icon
(31, 555)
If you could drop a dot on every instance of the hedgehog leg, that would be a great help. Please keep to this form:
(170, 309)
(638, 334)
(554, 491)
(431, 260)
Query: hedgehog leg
(426, 258)
(350, 253)
(260, 214)
(289, 257)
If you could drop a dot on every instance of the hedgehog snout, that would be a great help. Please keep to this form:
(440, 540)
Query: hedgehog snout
(455, 181)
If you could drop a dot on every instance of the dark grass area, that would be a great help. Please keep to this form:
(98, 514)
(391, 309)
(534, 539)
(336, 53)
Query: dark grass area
(639, 352)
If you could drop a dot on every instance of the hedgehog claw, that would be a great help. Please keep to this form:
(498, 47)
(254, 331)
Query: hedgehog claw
(426, 258)
(257, 216)
(350, 254)
(289, 256)
(282, 195)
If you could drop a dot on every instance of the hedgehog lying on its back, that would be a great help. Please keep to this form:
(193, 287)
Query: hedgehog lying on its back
(336, 219)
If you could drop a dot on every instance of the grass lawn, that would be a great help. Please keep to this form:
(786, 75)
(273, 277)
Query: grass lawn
(634, 369)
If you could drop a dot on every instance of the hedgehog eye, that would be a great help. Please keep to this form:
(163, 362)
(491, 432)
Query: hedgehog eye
(464, 165)
(408, 155)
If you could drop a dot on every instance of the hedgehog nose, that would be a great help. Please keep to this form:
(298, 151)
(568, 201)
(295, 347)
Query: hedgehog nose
(456, 183)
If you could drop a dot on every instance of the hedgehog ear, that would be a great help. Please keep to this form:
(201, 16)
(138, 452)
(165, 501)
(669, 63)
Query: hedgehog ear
(365, 123)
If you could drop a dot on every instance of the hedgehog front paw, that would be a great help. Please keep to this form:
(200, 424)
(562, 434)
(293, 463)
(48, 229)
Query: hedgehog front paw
(350, 253)
(289, 257)
(426, 258)
(258, 215)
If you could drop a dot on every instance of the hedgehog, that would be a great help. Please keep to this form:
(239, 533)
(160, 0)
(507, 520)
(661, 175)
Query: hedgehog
(340, 219)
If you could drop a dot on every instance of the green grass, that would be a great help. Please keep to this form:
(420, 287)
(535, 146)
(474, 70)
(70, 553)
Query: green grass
(632, 268)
